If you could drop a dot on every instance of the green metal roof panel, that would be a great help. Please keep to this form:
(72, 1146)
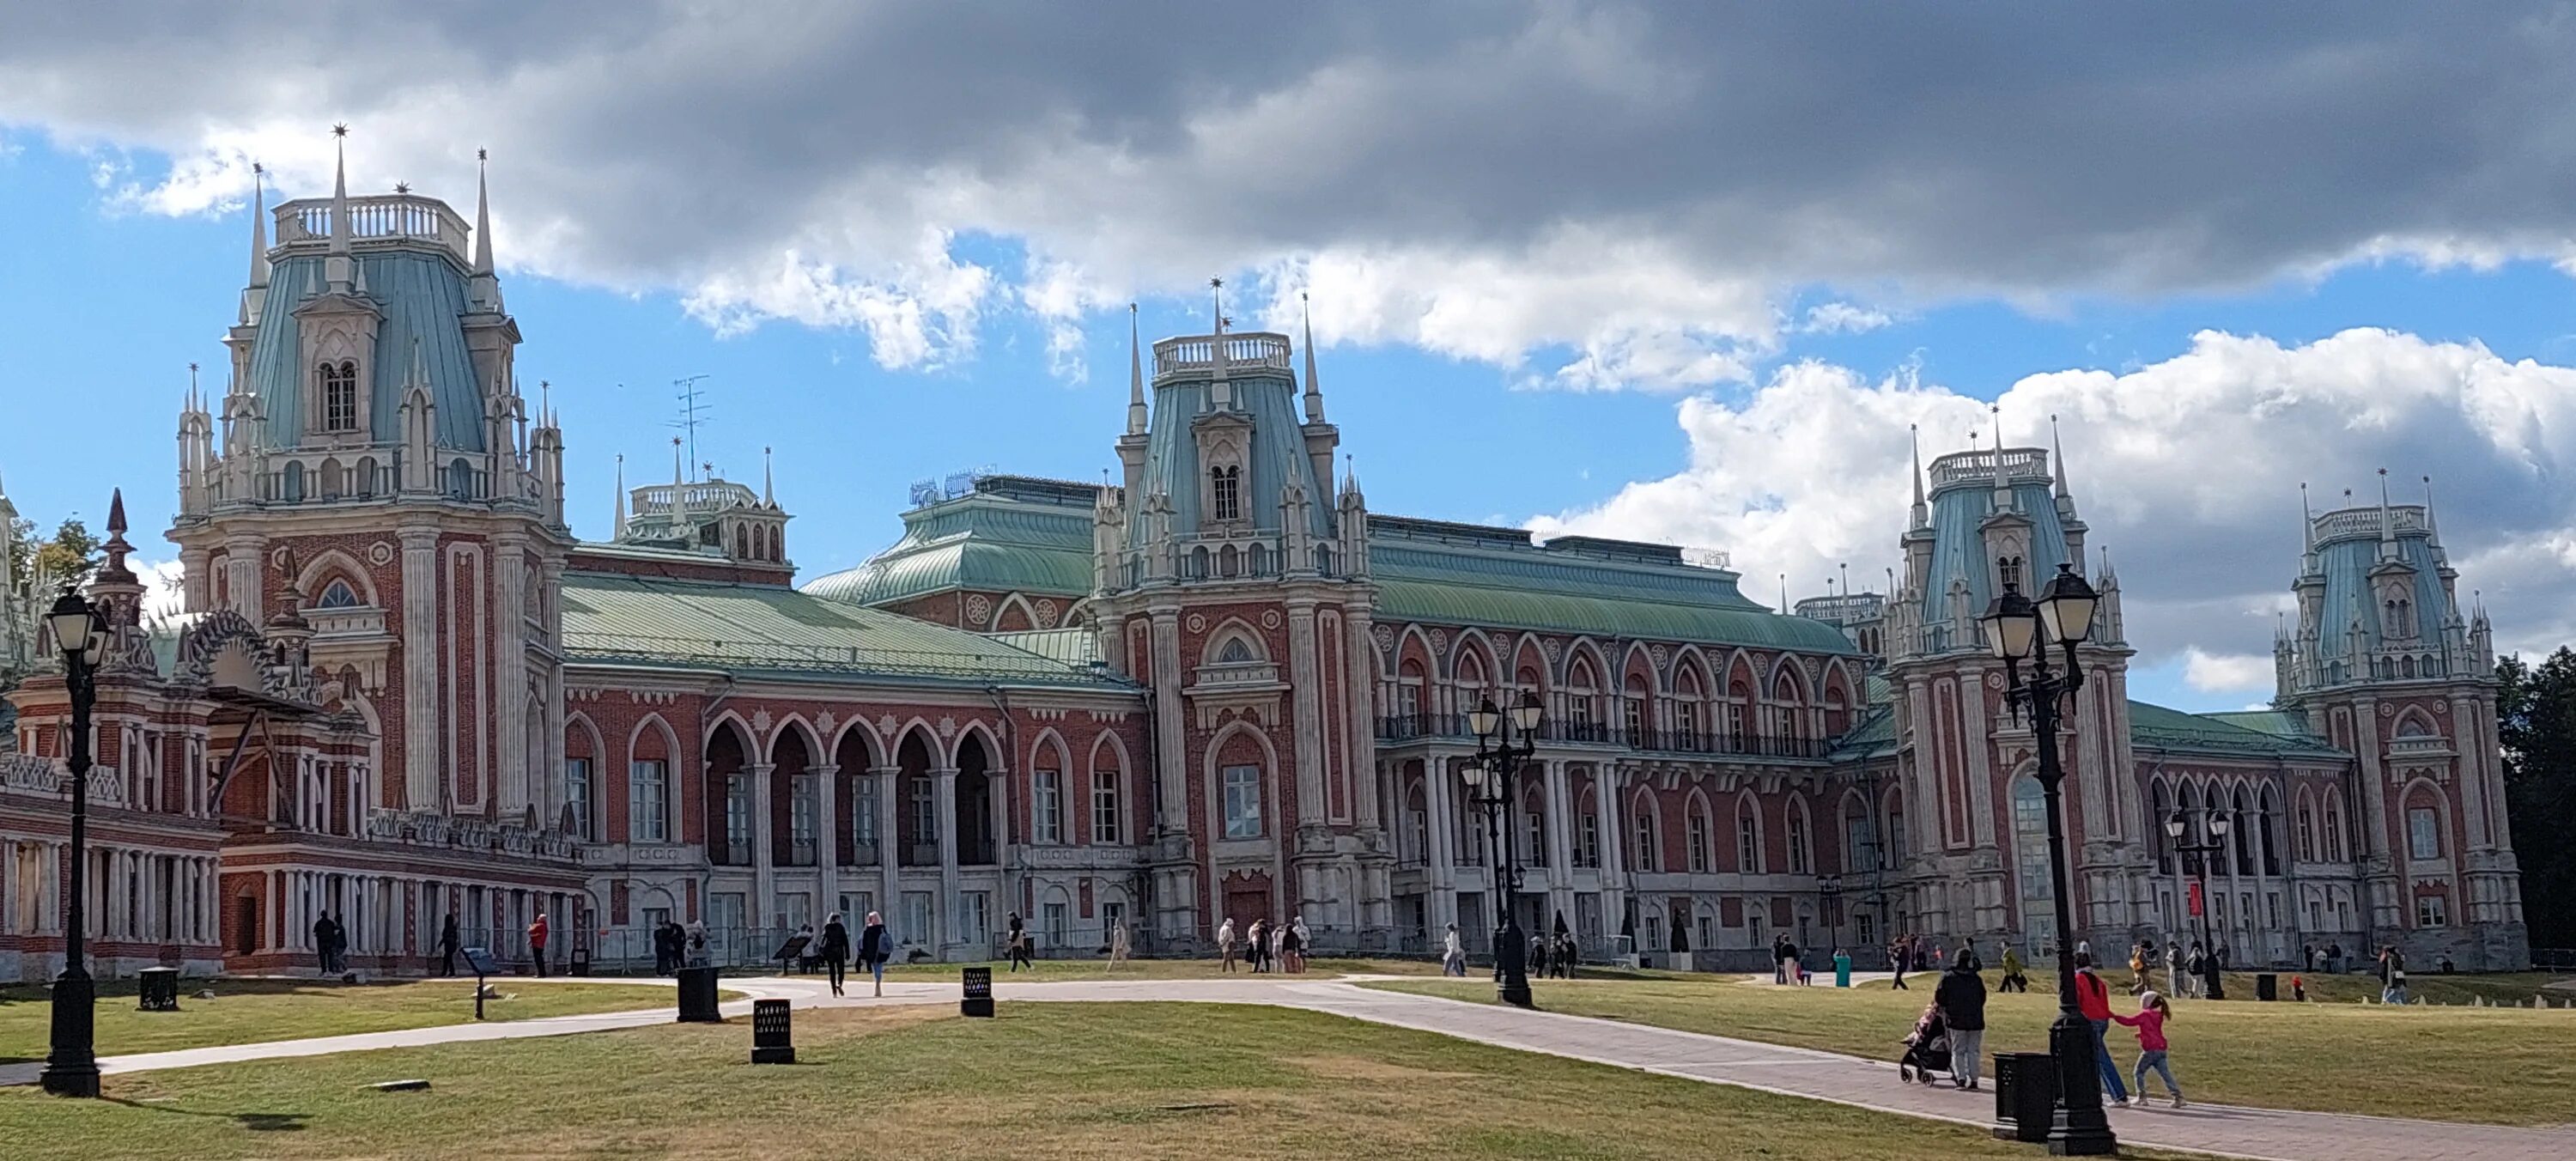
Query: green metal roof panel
(421, 296)
(2278, 722)
(1077, 647)
(756, 628)
(1460, 604)
(2155, 727)
(1000, 538)
(1874, 736)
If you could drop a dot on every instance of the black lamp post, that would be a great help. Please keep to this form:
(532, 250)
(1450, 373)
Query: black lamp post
(2018, 630)
(2213, 825)
(1829, 890)
(71, 1067)
(1489, 785)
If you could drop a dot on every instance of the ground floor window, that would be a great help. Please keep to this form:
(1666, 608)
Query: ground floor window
(1052, 920)
(916, 919)
(795, 909)
(2432, 911)
(855, 907)
(974, 915)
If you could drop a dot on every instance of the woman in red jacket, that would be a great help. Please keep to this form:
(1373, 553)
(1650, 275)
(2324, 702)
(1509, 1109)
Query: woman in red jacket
(2094, 998)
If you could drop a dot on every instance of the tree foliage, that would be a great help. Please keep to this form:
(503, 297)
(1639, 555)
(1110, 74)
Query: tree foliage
(2536, 718)
(67, 557)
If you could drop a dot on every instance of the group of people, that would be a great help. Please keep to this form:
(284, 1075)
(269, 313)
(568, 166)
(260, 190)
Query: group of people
(1267, 946)
(1552, 955)
(1786, 967)
(874, 947)
(1950, 1035)
(676, 947)
(1911, 953)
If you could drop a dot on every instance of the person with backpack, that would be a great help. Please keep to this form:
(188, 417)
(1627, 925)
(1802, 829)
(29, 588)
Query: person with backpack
(2392, 975)
(2093, 997)
(1961, 996)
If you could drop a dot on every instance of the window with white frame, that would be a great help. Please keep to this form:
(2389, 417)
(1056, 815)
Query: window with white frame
(803, 820)
(1107, 821)
(1748, 843)
(1225, 490)
(737, 804)
(863, 818)
(648, 796)
(1797, 841)
(1695, 830)
(2423, 833)
(577, 797)
(337, 386)
(1047, 801)
(1242, 802)
(1644, 855)
(1588, 848)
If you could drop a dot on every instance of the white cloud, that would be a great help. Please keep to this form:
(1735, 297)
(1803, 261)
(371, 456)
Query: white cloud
(1585, 193)
(1835, 318)
(2188, 471)
(2225, 673)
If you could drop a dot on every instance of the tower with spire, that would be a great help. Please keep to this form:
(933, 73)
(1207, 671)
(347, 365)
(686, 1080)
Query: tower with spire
(2386, 663)
(1231, 578)
(375, 467)
(1980, 521)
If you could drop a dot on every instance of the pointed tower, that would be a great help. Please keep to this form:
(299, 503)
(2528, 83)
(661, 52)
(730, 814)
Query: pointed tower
(1233, 584)
(2389, 669)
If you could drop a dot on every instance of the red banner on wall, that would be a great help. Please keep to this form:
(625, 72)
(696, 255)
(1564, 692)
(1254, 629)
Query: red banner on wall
(2195, 899)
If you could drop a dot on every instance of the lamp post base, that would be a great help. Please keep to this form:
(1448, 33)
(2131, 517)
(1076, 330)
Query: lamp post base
(1511, 968)
(2079, 1128)
(71, 1067)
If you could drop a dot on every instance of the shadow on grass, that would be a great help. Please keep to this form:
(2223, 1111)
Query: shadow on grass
(255, 1122)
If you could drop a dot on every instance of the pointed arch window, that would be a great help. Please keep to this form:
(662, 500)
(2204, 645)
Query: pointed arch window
(1105, 810)
(1798, 859)
(337, 388)
(1225, 489)
(1696, 833)
(1748, 843)
(337, 595)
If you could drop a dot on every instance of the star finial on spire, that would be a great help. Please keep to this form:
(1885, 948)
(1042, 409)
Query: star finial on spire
(482, 155)
(402, 187)
(340, 129)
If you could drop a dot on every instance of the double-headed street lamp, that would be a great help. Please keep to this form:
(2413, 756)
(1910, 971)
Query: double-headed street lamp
(1489, 785)
(71, 1067)
(2213, 826)
(2020, 630)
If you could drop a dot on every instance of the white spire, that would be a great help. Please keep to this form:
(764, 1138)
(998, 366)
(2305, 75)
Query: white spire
(2003, 488)
(768, 482)
(1784, 594)
(338, 264)
(1135, 376)
(2387, 521)
(258, 225)
(2432, 530)
(1314, 388)
(1216, 299)
(1922, 515)
(618, 527)
(482, 213)
(2057, 446)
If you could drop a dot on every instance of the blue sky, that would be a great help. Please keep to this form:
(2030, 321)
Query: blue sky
(1566, 263)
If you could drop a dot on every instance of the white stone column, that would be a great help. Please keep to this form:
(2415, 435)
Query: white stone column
(245, 558)
(889, 836)
(764, 874)
(1361, 652)
(1560, 841)
(1612, 793)
(945, 779)
(1442, 858)
(510, 681)
(827, 845)
(422, 779)
(1306, 700)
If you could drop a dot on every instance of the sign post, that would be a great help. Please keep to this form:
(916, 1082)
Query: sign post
(772, 1041)
(480, 959)
(979, 993)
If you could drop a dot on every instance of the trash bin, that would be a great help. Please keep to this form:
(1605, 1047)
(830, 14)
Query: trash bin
(698, 996)
(2267, 986)
(158, 990)
(580, 961)
(2025, 1095)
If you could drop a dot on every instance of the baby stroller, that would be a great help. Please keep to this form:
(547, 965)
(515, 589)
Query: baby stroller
(1927, 1050)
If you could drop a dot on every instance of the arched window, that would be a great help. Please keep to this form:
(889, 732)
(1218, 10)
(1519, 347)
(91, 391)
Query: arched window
(1225, 488)
(1647, 857)
(1748, 841)
(1790, 723)
(648, 795)
(577, 796)
(1632, 709)
(1798, 860)
(337, 595)
(1695, 832)
(2307, 832)
(2156, 826)
(2334, 829)
(1235, 651)
(2030, 860)
(2268, 830)
(339, 395)
(1047, 807)
(293, 482)
(2240, 834)
(1534, 829)
(1106, 815)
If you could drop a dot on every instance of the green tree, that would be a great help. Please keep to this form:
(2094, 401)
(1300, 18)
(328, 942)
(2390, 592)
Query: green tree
(68, 557)
(2536, 718)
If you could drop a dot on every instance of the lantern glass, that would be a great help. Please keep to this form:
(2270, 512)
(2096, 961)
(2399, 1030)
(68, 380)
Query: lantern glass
(1525, 715)
(1482, 720)
(2067, 605)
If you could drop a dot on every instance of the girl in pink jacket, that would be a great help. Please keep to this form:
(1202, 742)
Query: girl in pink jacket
(2153, 1011)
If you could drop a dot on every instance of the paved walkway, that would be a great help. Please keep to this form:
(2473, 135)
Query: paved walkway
(2268, 1134)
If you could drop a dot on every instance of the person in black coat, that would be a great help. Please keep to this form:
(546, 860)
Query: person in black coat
(836, 949)
(876, 946)
(1961, 996)
(447, 944)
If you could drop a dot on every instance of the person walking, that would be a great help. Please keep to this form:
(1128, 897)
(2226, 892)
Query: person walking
(1117, 946)
(2197, 963)
(1256, 939)
(2093, 997)
(876, 946)
(1898, 954)
(1842, 968)
(2139, 985)
(2334, 958)
(836, 950)
(2173, 967)
(1225, 943)
(2392, 975)
(1779, 960)
(1789, 960)
(1961, 996)
(1453, 954)
(1566, 954)
(537, 943)
(2153, 1012)
(1015, 944)
(2014, 980)
(1538, 951)
(448, 940)
(322, 944)
(1305, 942)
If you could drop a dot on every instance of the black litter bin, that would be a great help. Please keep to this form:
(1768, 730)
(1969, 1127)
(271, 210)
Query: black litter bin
(2267, 987)
(698, 996)
(2025, 1095)
(158, 989)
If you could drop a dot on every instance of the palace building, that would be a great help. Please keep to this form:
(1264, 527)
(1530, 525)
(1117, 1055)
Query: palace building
(1218, 687)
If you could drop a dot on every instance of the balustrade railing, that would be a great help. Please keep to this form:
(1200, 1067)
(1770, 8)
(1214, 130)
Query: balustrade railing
(378, 217)
(1249, 351)
(1405, 727)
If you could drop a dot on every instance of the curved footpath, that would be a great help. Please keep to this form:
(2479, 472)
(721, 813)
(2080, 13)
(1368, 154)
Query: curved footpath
(2269, 1134)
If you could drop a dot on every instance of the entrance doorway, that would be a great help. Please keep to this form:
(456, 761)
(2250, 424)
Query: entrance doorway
(245, 924)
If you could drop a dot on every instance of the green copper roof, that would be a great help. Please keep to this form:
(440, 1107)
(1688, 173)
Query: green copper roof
(2154, 727)
(1874, 736)
(1078, 647)
(1010, 534)
(616, 619)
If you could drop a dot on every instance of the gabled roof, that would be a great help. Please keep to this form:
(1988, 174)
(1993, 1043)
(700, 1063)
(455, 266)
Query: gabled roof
(2155, 727)
(755, 629)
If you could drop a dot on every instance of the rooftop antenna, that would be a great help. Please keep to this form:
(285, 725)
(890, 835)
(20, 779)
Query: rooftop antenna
(693, 410)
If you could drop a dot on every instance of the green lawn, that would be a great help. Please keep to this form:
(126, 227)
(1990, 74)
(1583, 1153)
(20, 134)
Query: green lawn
(1154, 969)
(245, 1011)
(2516, 988)
(2497, 1065)
(1187, 1081)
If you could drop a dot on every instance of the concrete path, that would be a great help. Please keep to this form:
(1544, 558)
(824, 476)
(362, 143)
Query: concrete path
(2267, 1134)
